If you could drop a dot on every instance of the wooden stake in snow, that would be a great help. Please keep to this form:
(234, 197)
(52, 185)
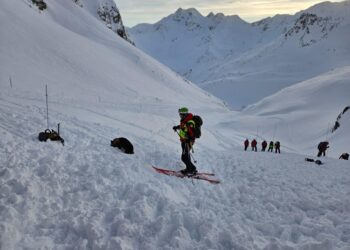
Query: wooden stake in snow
(47, 107)
(10, 82)
(50, 134)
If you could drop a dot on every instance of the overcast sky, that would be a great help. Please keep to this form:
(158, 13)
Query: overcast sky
(151, 11)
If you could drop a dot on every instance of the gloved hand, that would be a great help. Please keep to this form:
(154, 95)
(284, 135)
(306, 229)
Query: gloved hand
(176, 128)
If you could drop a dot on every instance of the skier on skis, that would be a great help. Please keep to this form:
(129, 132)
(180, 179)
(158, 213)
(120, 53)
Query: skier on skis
(187, 138)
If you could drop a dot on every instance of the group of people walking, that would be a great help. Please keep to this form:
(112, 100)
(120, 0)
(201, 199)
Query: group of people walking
(271, 146)
(322, 147)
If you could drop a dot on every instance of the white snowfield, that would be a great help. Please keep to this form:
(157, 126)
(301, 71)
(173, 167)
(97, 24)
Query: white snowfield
(88, 195)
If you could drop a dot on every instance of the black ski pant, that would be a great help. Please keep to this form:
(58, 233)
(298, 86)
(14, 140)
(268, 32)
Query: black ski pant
(186, 156)
(321, 152)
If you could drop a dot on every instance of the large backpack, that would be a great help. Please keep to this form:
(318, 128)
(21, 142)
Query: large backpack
(50, 134)
(197, 126)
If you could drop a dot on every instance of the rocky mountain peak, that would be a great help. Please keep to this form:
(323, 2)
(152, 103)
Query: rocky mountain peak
(187, 13)
(191, 18)
(108, 13)
(311, 28)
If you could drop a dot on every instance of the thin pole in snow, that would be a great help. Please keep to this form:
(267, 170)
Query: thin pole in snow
(47, 107)
(10, 82)
(328, 132)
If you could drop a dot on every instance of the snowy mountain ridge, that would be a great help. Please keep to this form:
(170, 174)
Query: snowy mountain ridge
(229, 57)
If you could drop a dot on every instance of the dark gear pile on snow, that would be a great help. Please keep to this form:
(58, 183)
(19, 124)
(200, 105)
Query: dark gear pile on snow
(50, 134)
(344, 156)
(318, 162)
(198, 122)
(123, 144)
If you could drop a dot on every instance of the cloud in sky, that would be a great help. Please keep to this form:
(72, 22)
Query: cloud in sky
(151, 11)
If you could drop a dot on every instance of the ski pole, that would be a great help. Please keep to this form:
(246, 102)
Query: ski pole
(194, 160)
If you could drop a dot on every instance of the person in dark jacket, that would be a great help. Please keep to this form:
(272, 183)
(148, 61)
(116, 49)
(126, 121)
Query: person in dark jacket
(187, 138)
(246, 144)
(277, 147)
(254, 143)
(263, 146)
(344, 156)
(322, 147)
(270, 147)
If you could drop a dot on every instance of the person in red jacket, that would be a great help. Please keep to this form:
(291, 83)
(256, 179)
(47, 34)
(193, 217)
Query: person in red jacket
(254, 143)
(187, 138)
(246, 144)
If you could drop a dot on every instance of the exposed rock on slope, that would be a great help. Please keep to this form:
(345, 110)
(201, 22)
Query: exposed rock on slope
(108, 13)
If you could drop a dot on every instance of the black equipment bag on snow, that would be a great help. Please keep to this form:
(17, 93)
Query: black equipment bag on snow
(50, 134)
(43, 136)
(198, 122)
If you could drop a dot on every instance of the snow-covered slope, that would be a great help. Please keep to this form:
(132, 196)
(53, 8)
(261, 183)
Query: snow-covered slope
(302, 115)
(242, 63)
(88, 195)
(99, 70)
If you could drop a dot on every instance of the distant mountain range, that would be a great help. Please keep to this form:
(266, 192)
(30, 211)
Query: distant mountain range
(243, 62)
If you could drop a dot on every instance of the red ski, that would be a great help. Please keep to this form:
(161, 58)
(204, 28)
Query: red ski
(198, 176)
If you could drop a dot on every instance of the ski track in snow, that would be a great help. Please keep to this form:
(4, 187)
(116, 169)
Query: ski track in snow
(87, 195)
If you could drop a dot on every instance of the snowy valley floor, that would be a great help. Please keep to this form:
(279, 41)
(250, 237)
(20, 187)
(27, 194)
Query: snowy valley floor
(87, 195)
